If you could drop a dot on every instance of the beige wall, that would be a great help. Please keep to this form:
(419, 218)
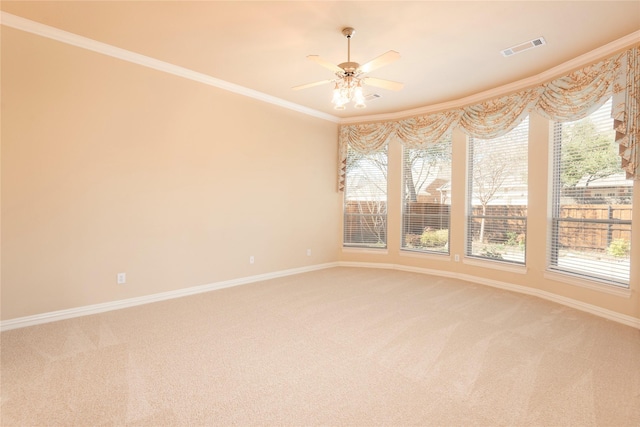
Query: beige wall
(111, 167)
(533, 276)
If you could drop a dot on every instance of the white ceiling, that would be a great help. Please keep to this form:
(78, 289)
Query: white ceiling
(449, 49)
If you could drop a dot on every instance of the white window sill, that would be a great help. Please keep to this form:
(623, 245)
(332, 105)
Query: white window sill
(495, 265)
(381, 251)
(426, 255)
(582, 282)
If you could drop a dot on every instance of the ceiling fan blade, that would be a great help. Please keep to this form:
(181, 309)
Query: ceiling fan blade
(308, 85)
(325, 64)
(384, 84)
(380, 61)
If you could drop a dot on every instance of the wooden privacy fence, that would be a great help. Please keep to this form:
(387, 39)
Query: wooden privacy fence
(365, 222)
(596, 226)
(502, 223)
(586, 227)
(419, 216)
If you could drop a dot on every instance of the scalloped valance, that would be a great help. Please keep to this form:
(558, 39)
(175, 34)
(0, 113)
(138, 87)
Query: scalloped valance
(567, 98)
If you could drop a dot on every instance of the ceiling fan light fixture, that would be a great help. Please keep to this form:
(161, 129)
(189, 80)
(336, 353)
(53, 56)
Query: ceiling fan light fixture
(337, 97)
(347, 90)
(349, 76)
(358, 97)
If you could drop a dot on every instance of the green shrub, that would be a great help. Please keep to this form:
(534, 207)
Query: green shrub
(491, 252)
(434, 238)
(515, 239)
(619, 248)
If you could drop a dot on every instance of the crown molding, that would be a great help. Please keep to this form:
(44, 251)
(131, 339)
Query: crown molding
(72, 39)
(555, 72)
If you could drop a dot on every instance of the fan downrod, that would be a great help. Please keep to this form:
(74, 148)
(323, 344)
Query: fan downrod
(349, 67)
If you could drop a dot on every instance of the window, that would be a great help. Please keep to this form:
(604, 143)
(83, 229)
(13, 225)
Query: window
(365, 200)
(426, 198)
(497, 196)
(591, 207)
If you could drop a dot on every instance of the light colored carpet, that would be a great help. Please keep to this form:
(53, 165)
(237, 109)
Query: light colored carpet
(343, 346)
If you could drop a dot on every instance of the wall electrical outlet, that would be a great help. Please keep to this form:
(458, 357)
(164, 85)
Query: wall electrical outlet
(122, 278)
(308, 252)
(251, 259)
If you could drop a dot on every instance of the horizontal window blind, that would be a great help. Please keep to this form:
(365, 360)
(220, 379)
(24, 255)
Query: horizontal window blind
(592, 201)
(365, 200)
(497, 196)
(426, 197)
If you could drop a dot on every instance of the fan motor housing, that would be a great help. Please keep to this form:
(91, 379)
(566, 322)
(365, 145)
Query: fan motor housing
(348, 31)
(349, 67)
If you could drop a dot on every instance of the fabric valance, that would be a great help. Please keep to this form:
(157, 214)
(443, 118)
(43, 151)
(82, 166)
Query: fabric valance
(567, 98)
(626, 112)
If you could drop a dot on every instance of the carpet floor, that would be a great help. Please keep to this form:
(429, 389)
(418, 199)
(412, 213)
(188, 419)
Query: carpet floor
(341, 346)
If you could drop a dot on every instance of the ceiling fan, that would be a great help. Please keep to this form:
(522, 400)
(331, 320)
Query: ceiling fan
(350, 76)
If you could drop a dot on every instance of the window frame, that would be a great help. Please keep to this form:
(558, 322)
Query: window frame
(469, 212)
(555, 218)
(382, 215)
(404, 246)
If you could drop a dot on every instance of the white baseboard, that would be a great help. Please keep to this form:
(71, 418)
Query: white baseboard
(54, 316)
(569, 302)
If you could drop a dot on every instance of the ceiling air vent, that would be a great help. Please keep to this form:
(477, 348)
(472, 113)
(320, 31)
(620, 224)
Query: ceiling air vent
(524, 46)
(371, 96)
